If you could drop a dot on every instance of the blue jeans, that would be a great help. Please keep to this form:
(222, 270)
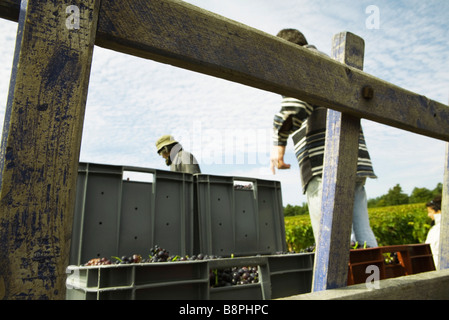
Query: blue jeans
(361, 229)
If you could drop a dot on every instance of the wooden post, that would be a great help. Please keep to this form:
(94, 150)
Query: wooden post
(40, 145)
(444, 231)
(339, 177)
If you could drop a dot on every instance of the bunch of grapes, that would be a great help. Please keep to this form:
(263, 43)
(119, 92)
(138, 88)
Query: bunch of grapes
(98, 262)
(304, 250)
(135, 258)
(158, 254)
(391, 258)
(233, 276)
(202, 256)
(218, 277)
(245, 275)
(243, 187)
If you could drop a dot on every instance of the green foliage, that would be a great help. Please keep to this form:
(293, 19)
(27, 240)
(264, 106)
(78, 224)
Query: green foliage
(403, 224)
(393, 225)
(298, 232)
(395, 217)
(290, 210)
(421, 195)
(396, 196)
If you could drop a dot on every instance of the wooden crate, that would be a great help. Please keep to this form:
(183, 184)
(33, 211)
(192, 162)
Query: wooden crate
(407, 260)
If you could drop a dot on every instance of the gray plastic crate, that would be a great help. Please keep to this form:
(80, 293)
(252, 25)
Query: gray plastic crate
(291, 274)
(238, 220)
(254, 291)
(279, 276)
(240, 292)
(123, 210)
(143, 281)
(186, 280)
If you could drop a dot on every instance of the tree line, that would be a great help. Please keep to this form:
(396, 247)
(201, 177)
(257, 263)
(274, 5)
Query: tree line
(395, 196)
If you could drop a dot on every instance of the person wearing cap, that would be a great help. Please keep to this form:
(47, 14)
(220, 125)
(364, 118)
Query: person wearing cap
(175, 157)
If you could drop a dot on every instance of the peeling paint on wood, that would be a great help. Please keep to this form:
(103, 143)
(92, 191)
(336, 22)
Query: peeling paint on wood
(339, 177)
(444, 231)
(40, 147)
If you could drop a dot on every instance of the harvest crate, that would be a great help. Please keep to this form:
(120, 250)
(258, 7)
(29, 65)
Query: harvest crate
(140, 281)
(359, 260)
(239, 216)
(421, 258)
(290, 274)
(402, 260)
(123, 210)
(189, 280)
(257, 291)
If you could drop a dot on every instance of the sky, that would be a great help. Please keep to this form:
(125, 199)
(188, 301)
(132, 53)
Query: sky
(227, 126)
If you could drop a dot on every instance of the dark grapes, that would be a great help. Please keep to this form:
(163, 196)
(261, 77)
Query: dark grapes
(98, 262)
(159, 255)
(217, 277)
(233, 276)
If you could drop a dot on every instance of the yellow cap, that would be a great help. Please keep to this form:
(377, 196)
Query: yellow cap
(163, 141)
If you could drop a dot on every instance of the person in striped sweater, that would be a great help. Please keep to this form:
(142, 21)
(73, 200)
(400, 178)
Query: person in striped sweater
(306, 124)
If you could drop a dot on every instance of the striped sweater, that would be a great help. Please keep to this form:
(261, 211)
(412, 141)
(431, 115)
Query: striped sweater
(307, 126)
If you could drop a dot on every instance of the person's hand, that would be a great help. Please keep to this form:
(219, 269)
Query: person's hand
(277, 159)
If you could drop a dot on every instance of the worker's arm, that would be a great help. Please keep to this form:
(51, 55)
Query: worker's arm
(277, 159)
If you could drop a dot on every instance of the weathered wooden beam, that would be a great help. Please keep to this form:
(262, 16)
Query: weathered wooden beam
(433, 285)
(339, 174)
(10, 9)
(186, 36)
(178, 33)
(40, 145)
(444, 231)
(339, 177)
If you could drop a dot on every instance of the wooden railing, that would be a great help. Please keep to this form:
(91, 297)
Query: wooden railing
(45, 112)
